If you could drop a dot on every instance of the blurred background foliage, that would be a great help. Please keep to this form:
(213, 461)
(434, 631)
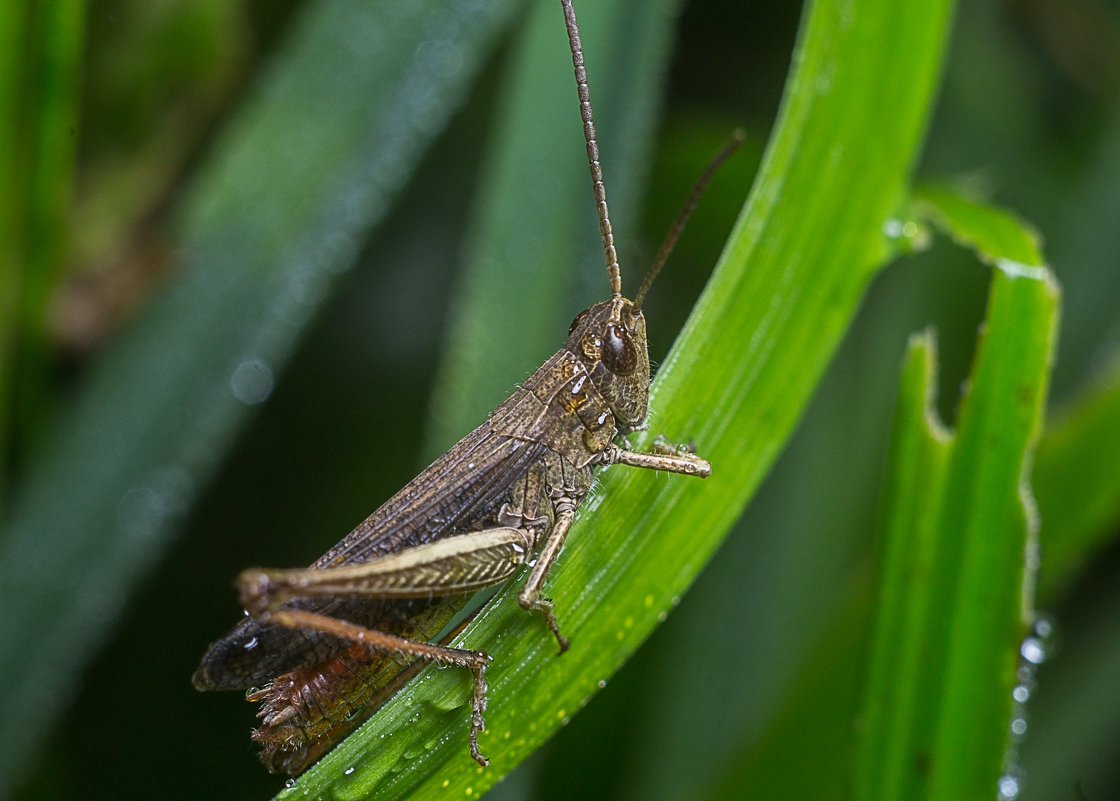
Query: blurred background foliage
(118, 105)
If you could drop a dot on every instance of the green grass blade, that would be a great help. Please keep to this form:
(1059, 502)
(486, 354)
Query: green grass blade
(1077, 481)
(988, 502)
(789, 281)
(900, 680)
(994, 234)
(323, 144)
(959, 534)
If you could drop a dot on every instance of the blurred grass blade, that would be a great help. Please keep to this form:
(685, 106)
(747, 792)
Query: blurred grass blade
(914, 486)
(1074, 728)
(959, 540)
(42, 47)
(788, 284)
(13, 159)
(1077, 481)
(534, 249)
(806, 752)
(322, 145)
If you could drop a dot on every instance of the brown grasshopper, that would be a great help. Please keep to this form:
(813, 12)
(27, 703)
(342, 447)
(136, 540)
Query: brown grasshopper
(322, 646)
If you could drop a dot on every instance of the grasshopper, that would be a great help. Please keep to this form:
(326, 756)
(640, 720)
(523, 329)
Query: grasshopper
(322, 646)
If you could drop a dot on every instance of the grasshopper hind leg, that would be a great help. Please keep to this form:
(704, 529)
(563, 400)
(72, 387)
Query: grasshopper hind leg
(475, 661)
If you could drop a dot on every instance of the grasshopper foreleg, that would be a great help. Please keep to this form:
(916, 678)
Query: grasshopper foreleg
(666, 459)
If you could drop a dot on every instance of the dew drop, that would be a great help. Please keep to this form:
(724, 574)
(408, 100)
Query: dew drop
(1009, 787)
(1033, 650)
(166, 494)
(252, 381)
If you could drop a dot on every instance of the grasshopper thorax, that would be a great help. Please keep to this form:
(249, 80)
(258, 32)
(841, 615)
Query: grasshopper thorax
(610, 341)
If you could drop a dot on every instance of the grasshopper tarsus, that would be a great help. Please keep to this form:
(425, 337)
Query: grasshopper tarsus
(478, 707)
(545, 608)
(553, 626)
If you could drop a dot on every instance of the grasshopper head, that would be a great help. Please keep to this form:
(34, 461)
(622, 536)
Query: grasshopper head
(610, 340)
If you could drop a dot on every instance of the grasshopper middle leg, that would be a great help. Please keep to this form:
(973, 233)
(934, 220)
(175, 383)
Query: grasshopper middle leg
(530, 595)
(566, 500)
(459, 564)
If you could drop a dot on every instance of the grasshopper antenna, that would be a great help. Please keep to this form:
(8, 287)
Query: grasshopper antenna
(613, 274)
(689, 206)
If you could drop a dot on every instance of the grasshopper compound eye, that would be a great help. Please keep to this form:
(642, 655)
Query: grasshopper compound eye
(619, 354)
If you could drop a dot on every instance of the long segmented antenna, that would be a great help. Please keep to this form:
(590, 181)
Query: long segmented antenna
(613, 273)
(689, 206)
